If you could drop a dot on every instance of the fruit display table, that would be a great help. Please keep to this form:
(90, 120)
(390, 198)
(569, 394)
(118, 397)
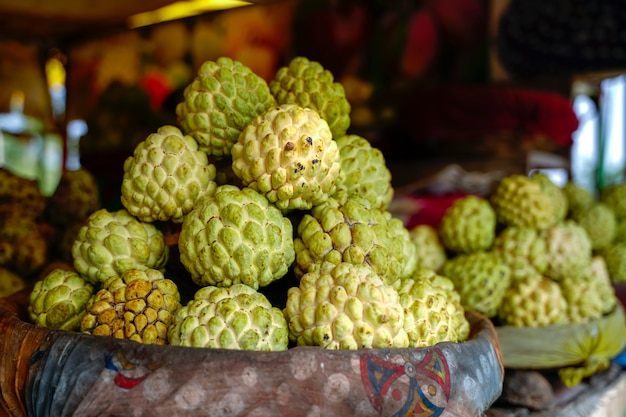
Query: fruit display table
(45, 372)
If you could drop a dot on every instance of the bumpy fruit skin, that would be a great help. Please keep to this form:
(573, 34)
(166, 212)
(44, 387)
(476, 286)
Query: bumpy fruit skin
(578, 198)
(237, 317)
(364, 172)
(138, 305)
(521, 201)
(24, 192)
(112, 242)
(59, 300)
(433, 311)
(480, 278)
(614, 196)
(345, 306)
(222, 99)
(569, 250)
(236, 237)
(468, 225)
(75, 198)
(615, 258)
(288, 155)
(356, 233)
(599, 222)
(307, 84)
(10, 282)
(523, 249)
(556, 194)
(165, 176)
(533, 302)
(430, 252)
(590, 296)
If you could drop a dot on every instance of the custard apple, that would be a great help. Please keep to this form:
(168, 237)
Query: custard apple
(533, 302)
(480, 278)
(59, 300)
(288, 155)
(615, 258)
(364, 172)
(556, 194)
(614, 196)
(236, 236)
(237, 317)
(599, 222)
(308, 84)
(74, 199)
(25, 245)
(345, 306)
(523, 249)
(568, 248)
(430, 252)
(138, 305)
(165, 176)
(578, 197)
(590, 296)
(10, 282)
(219, 103)
(356, 233)
(620, 231)
(468, 225)
(112, 242)
(522, 201)
(433, 311)
(23, 192)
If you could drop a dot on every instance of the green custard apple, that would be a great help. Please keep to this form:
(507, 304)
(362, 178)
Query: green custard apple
(236, 237)
(523, 249)
(111, 242)
(237, 317)
(354, 232)
(468, 225)
(308, 84)
(430, 252)
(433, 311)
(219, 103)
(364, 172)
(480, 278)
(519, 200)
(533, 302)
(59, 300)
(165, 176)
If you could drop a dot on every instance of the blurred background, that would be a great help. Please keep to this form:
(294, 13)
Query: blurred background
(456, 93)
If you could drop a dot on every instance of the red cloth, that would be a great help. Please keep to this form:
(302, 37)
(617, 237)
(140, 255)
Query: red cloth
(451, 112)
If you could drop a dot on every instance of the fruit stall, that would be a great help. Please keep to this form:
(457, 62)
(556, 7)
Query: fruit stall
(270, 208)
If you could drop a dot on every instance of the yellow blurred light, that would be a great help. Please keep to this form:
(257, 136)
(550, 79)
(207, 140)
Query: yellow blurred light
(55, 73)
(181, 10)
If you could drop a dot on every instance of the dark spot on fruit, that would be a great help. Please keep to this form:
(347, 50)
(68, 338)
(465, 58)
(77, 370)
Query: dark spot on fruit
(289, 146)
(299, 167)
(309, 140)
(315, 161)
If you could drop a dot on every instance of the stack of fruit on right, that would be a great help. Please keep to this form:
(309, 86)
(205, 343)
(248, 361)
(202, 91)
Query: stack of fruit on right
(533, 254)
